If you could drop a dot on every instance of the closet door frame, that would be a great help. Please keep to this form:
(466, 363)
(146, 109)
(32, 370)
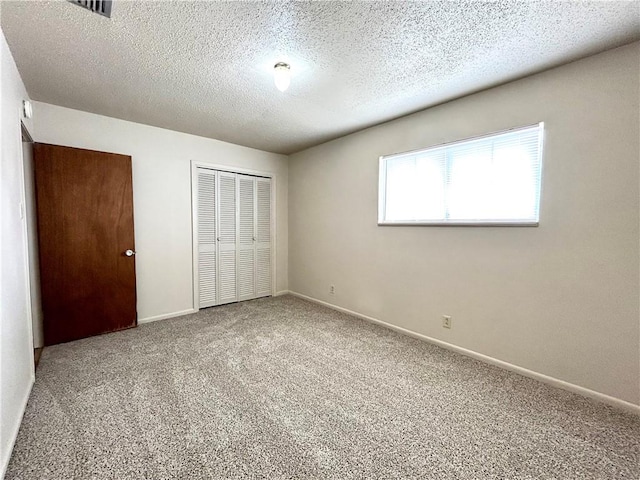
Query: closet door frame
(194, 220)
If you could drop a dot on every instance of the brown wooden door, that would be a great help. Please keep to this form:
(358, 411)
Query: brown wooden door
(85, 225)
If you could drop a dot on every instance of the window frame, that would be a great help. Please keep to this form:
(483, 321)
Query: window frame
(382, 185)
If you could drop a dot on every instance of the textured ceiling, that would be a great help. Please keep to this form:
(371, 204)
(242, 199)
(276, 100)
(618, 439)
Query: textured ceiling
(206, 67)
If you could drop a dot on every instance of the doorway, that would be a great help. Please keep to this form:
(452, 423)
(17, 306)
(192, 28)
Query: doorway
(32, 243)
(86, 242)
(233, 234)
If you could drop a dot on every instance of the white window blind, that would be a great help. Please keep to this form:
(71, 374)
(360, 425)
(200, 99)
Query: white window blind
(494, 179)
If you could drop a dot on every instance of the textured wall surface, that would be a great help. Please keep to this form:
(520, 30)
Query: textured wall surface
(16, 347)
(560, 299)
(206, 67)
(161, 161)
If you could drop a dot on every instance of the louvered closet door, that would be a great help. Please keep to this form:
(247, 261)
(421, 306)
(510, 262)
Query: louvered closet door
(263, 237)
(206, 198)
(246, 237)
(227, 208)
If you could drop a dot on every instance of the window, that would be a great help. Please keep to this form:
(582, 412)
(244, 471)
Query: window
(494, 179)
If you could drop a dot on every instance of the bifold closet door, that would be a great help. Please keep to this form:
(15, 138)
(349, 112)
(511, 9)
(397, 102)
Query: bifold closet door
(207, 234)
(233, 236)
(227, 238)
(246, 237)
(263, 237)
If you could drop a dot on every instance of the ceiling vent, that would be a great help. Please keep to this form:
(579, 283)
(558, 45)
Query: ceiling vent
(103, 7)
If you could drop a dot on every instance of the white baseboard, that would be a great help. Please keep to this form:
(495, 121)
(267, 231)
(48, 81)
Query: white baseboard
(164, 316)
(601, 397)
(14, 434)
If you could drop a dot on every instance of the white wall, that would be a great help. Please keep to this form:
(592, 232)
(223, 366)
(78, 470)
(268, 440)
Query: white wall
(560, 299)
(162, 195)
(16, 349)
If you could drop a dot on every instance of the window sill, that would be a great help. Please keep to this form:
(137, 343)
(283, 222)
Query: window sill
(459, 224)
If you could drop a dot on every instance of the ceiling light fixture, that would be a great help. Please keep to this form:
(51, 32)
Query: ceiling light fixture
(282, 75)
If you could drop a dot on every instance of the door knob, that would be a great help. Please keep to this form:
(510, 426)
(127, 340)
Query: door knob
(129, 253)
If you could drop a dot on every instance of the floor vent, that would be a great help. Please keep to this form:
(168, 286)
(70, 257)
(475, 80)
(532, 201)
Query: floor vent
(102, 7)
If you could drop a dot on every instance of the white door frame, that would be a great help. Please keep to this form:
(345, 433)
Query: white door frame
(194, 220)
(26, 135)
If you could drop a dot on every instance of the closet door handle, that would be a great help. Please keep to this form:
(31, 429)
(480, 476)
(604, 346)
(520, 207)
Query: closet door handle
(218, 239)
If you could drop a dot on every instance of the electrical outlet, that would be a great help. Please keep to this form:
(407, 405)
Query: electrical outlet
(446, 321)
(332, 289)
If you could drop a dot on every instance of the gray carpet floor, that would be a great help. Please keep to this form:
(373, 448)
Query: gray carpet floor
(282, 388)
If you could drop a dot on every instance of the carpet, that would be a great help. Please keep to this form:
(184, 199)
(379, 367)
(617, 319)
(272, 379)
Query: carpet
(280, 388)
